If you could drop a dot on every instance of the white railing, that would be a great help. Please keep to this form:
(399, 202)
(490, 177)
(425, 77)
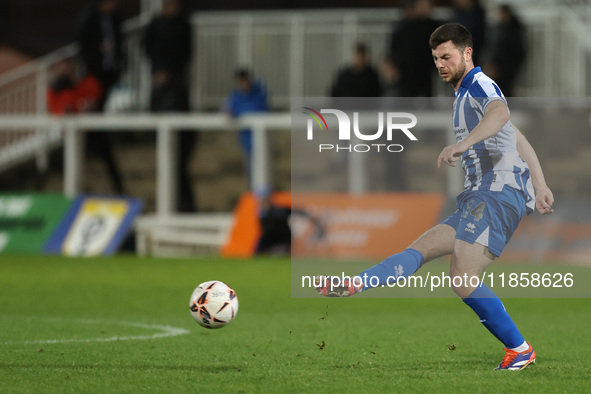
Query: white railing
(296, 54)
(558, 54)
(74, 127)
(433, 122)
(166, 144)
(23, 90)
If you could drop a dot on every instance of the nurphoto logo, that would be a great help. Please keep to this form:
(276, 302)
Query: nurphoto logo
(395, 122)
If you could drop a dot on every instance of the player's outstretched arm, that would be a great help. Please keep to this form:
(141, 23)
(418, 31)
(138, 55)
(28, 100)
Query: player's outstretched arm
(544, 197)
(495, 116)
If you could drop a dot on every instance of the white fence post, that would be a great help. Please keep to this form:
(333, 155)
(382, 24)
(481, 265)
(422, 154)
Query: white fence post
(259, 171)
(42, 82)
(165, 170)
(455, 175)
(245, 55)
(296, 54)
(150, 7)
(357, 175)
(73, 163)
(350, 33)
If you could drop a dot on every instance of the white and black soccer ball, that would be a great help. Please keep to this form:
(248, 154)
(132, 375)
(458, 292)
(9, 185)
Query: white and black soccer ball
(213, 304)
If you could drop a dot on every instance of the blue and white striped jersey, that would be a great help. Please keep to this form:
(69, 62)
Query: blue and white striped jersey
(493, 163)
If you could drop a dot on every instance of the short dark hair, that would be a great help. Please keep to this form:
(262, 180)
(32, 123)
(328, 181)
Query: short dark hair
(361, 48)
(458, 34)
(242, 73)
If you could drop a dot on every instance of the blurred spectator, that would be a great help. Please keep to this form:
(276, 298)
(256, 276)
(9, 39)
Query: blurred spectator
(359, 79)
(508, 50)
(249, 96)
(390, 77)
(167, 41)
(275, 229)
(99, 40)
(69, 94)
(274, 220)
(395, 172)
(471, 14)
(409, 51)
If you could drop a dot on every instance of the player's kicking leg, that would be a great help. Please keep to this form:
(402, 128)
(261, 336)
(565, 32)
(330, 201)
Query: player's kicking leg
(436, 242)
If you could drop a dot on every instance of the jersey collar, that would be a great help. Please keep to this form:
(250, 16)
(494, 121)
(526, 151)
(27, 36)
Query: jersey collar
(469, 78)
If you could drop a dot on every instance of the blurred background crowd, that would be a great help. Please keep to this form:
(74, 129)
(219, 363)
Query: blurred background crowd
(170, 56)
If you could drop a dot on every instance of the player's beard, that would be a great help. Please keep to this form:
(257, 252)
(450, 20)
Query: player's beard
(457, 76)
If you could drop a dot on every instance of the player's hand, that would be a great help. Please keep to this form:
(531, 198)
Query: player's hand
(544, 200)
(450, 154)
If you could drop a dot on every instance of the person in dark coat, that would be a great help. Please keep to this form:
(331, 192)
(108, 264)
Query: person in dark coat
(508, 50)
(360, 79)
(410, 54)
(99, 41)
(275, 228)
(274, 220)
(167, 41)
(470, 14)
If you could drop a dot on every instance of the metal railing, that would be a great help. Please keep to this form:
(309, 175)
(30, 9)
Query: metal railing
(74, 127)
(166, 144)
(23, 91)
(296, 54)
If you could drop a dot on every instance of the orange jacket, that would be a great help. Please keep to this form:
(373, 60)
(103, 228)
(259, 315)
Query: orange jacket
(82, 97)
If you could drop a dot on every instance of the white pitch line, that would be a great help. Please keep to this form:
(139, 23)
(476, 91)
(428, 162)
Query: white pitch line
(167, 331)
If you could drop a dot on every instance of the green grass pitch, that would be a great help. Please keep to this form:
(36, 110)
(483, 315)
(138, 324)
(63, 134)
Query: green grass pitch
(122, 324)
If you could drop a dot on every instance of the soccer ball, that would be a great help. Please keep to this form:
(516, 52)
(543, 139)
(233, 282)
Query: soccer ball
(213, 304)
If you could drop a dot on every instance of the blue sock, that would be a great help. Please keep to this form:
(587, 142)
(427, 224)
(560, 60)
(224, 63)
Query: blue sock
(493, 316)
(399, 265)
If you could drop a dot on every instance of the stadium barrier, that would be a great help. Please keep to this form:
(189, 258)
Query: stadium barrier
(561, 237)
(51, 223)
(283, 50)
(177, 235)
(73, 128)
(164, 227)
